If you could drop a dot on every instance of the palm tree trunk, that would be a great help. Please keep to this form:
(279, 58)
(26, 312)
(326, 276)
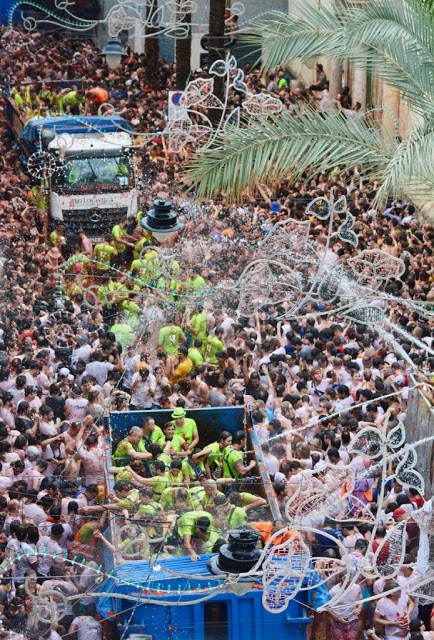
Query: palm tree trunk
(216, 46)
(183, 57)
(152, 51)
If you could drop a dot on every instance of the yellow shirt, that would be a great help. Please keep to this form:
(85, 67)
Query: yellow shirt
(183, 368)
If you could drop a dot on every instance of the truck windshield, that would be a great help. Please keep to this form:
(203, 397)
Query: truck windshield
(92, 171)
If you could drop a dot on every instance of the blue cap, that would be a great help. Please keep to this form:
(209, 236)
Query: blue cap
(275, 207)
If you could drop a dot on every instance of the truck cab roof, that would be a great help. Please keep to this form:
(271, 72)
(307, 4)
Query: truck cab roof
(91, 143)
(45, 130)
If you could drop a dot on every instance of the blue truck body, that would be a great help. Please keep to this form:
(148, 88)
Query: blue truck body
(153, 610)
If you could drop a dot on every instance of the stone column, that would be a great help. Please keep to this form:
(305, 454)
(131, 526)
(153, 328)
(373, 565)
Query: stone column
(335, 78)
(359, 86)
(391, 100)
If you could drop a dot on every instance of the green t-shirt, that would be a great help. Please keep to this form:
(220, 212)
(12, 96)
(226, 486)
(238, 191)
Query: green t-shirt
(139, 246)
(147, 264)
(197, 282)
(216, 454)
(200, 498)
(103, 254)
(170, 338)
(122, 452)
(106, 289)
(176, 443)
(195, 356)
(187, 431)
(150, 508)
(158, 484)
(156, 436)
(231, 457)
(210, 348)
(194, 471)
(179, 477)
(123, 475)
(168, 499)
(123, 333)
(187, 522)
(70, 98)
(208, 545)
(118, 232)
(236, 518)
(247, 498)
(198, 322)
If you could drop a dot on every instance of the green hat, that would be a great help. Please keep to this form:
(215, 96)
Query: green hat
(179, 413)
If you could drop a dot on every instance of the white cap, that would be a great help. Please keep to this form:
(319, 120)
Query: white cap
(199, 70)
(32, 451)
(64, 371)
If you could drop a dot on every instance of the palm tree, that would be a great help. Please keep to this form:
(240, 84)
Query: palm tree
(394, 38)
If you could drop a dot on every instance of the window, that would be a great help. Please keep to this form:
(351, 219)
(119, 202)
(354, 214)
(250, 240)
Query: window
(215, 620)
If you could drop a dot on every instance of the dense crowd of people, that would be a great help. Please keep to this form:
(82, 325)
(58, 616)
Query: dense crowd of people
(310, 383)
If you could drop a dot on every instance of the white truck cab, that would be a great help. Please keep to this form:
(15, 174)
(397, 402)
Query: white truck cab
(95, 186)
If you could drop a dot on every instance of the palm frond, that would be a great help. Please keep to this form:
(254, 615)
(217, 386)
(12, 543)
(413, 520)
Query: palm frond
(411, 170)
(282, 146)
(395, 38)
(284, 37)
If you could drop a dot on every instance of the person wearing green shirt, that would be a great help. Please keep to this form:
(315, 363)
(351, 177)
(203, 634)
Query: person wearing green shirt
(211, 345)
(70, 102)
(169, 338)
(174, 444)
(131, 310)
(194, 353)
(119, 236)
(121, 490)
(123, 333)
(216, 450)
(127, 448)
(197, 324)
(246, 500)
(193, 467)
(147, 265)
(233, 461)
(196, 280)
(170, 287)
(40, 200)
(229, 516)
(176, 499)
(174, 473)
(192, 525)
(17, 98)
(140, 244)
(157, 453)
(204, 498)
(147, 506)
(104, 252)
(158, 482)
(185, 427)
(107, 290)
(150, 433)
